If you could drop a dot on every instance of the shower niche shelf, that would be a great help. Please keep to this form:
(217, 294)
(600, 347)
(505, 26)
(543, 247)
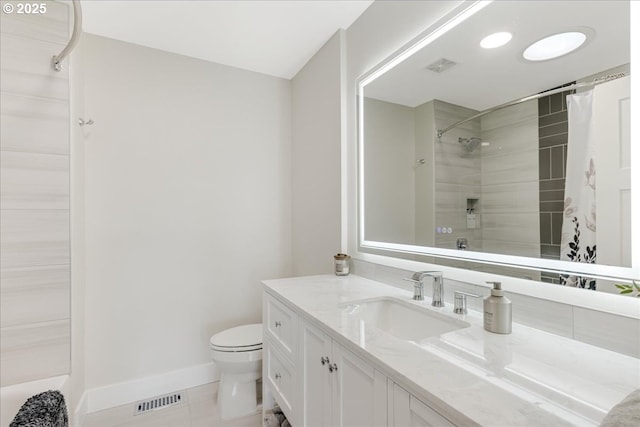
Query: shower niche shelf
(473, 219)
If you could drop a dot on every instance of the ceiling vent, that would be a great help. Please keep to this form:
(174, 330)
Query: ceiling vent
(441, 65)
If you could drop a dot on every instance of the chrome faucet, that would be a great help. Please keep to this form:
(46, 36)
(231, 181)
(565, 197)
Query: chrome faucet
(462, 244)
(418, 286)
(460, 301)
(438, 288)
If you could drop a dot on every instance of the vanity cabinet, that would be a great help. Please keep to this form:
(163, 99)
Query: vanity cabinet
(338, 388)
(408, 411)
(280, 355)
(319, 382)
(281, 325)
(280, 376)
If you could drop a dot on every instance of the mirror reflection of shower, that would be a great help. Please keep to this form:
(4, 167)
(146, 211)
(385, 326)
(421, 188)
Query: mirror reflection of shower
(469, 144)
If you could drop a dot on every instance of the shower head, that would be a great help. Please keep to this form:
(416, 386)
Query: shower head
(469, 144)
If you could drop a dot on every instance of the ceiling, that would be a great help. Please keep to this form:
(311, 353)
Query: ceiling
(484, 78)
(270, 37)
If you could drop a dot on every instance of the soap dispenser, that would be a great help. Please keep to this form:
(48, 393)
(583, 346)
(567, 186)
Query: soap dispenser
(497, 311)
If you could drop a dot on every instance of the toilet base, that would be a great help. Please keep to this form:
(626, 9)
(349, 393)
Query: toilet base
(237, 395)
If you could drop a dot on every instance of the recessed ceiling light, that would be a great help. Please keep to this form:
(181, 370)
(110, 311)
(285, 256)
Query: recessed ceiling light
(495, 40)
(554, 46)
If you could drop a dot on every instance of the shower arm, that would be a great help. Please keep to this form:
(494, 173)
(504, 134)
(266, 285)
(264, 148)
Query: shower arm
(75, 36)
(531, 97)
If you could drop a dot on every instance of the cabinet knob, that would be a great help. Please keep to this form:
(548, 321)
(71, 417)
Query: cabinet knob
(333, 367)
(278, 376)
(278, 324)
(324, 360)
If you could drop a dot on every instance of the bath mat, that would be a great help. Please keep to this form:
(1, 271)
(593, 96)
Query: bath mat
(42, 410)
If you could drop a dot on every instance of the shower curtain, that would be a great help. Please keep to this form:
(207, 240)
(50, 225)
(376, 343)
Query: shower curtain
(578, 242)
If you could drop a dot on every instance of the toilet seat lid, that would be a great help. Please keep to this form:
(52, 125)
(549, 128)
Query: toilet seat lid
(245, 337)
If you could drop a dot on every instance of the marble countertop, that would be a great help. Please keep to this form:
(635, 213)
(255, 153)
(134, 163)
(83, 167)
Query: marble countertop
(471, 376)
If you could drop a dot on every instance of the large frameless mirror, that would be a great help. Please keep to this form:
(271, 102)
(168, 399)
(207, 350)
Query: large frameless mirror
(480, 148)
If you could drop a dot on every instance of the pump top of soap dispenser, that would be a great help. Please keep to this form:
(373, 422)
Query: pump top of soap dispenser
(497, 289)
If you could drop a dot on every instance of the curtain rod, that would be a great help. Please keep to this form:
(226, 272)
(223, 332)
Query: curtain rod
(536, 96)
(77, 29)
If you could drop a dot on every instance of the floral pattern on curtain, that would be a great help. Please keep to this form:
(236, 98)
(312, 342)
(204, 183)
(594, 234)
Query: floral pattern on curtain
(578, 242)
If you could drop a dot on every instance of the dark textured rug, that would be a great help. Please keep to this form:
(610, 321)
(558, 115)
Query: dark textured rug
(43, 410)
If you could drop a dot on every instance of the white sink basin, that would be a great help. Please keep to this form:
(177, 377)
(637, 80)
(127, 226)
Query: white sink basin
(400, 318)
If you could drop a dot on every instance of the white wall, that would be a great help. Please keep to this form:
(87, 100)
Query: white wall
(315, 157)
(389, 172)
(188, 205)
(424, 174)
(78, 285)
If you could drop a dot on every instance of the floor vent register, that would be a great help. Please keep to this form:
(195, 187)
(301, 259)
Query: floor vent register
(157, 403)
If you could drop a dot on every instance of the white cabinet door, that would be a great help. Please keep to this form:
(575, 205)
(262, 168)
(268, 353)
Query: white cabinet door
(315, 348)
(359, 391)
(280, 357)
(338, 388)
(411, 412)
(611, 124)
(279, 375)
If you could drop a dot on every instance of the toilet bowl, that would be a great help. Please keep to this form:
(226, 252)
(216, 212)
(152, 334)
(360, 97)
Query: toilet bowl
(237, 352)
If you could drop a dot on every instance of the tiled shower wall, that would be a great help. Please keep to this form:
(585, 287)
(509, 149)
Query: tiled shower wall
(510, 181)
(34, 242)
(457, 177)
(553, 133)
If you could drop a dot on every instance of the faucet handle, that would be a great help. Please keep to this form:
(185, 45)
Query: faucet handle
(460, 301)
(418, 289)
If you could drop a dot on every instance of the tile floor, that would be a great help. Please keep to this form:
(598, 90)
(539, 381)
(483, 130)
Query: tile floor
(198, 410)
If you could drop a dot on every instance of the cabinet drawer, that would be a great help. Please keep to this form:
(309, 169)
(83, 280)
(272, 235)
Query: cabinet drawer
(281, 325)
(281, 379)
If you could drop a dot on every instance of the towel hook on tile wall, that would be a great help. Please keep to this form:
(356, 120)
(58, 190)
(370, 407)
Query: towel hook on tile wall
(73, 41)
(81, 122)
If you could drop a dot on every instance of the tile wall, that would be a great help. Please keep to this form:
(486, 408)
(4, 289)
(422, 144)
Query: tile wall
(510, 211)
(457, 177)
(34, 242)
(500, 179)
(552, 155)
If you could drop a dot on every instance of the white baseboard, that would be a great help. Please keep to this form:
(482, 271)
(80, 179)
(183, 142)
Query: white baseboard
(82, 408)
(113, 395)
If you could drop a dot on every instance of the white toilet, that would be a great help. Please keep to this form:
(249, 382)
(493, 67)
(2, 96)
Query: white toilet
(237, 352)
